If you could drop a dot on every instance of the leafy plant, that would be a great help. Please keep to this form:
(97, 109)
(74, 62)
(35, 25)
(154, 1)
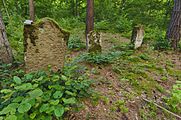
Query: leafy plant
(161, 43)
(101, 58)
(70, 23)
(42, 95)
(103, 25)
(75, 43)
(123, 24)
(174, 102)
(14, 32)
(120, 105)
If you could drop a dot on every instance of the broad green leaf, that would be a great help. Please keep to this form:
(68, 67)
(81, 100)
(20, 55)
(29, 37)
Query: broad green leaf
(38, 80)
(64, 78)
(11, 117)
(17, 80)
(35, 86)
(44, 108)
(6, 91)
(24, 107)
(55, 78)
(57, 87)
(28, 76)
(1, 118)
(25, 86)
(68, 82)
(54, 102)
(69, 100)
(18, 99)
(52, 108)
(70, 93)
(5, 110)
(13, 105)
(33, 115)
(46, 96)
(8, 96)
(59, 111)
(11, 108)
(36, 93)
(21, 116)
(30, 101)
(57, 94)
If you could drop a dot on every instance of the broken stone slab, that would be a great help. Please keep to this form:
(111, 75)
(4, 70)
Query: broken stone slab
(45, 44)
(137, 36)
(94, 42)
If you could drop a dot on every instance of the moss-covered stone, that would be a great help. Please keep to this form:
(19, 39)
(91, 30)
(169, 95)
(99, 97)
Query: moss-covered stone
(94, 42)
(137, 36)
(45, 44)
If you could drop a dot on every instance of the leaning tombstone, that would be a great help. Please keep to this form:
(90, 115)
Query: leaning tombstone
(137, 36)
(94, 42)
(45, 44)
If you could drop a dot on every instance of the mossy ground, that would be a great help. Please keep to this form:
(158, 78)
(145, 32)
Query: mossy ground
(137, 74)
(143, 73)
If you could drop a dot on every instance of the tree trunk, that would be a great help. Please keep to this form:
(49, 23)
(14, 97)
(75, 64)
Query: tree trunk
(174, 29)
(73, 7)
(89, 18)
(6, 55)
(76, 8)
(32, 10)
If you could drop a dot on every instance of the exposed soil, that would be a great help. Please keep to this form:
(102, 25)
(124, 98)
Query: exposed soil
(107, 83)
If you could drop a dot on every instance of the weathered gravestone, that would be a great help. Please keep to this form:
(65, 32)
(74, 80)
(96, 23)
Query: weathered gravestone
(137, 36)
(94, 42)
(45, 44)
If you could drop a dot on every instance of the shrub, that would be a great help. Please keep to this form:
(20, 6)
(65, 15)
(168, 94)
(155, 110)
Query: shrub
(14, 30)
(103, 25)
(123, 24)
(75, 43)
(42, 95)
(161, 43)
(70, 23)
(173, 102)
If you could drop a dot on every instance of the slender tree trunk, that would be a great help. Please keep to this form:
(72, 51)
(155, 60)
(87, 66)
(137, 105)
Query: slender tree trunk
(89, 18)
(6, 55)
(76, 7)
(73, 7)
(174, 29)
(32, 10)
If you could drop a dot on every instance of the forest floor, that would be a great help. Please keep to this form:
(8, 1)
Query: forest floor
(130, 86)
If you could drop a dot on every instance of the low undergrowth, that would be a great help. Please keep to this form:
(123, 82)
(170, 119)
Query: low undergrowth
(101, 58)
(147, 73)
(42, 95)
(75, 43)
(174, 101)
(104, 58)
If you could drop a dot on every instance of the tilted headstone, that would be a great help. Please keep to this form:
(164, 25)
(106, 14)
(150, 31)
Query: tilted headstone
(45, 44)
(94, 42)
(137, 36)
